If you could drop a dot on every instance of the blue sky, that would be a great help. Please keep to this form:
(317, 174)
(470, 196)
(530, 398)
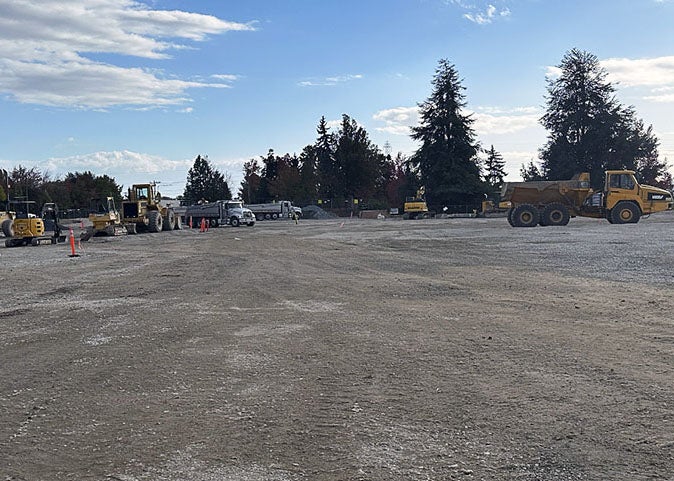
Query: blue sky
(137, 89)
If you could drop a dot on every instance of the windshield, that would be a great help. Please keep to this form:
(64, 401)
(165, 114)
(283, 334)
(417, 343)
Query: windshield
(234, 205)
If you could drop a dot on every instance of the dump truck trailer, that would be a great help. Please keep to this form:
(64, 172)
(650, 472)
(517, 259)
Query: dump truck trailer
(221, 212)
(552, 203)
(275, 210)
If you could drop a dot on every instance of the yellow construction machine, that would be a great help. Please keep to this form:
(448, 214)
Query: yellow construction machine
(416, 207)
(105, 220)
(622, 200)
(142, 210)
(31, 229)
(7, 223)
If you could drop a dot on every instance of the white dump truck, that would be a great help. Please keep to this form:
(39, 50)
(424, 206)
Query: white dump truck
(221, 212)
(275, 210)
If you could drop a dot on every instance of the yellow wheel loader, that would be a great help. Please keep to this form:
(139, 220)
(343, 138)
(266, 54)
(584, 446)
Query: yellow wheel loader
(34, 230)
(142, 211)
(105, 220)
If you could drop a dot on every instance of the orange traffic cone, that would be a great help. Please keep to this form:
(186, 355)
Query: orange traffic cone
(72, 244)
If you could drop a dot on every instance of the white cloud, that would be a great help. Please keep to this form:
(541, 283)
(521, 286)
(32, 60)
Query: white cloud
(46, 48)
(488, 120)
(329, 81)
(649, 72)
(482, 15)
(397, 120)
(495, 121)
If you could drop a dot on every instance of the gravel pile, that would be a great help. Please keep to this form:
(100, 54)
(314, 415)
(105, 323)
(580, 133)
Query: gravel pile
(315, 212)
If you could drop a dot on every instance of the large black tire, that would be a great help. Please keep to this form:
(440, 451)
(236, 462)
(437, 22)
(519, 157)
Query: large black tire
(234, 222)
(525, 215)
(510, 216)
(555, 214)
(169, 221)
(8, 227)
(625, 213)
(155, 221)
(178, 224)
(213, 222)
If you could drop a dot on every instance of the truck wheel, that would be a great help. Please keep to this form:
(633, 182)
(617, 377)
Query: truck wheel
(214, 222)
(267, 217)
(8, 227)
(169, 220)
(510, 216)
(178, 223)
(234, 222)
(555, 214)
(625, 213)
(525, 215)
(274, 216)
(155, 221)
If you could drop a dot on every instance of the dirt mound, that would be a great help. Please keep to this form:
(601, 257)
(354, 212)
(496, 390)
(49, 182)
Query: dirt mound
(315, 212)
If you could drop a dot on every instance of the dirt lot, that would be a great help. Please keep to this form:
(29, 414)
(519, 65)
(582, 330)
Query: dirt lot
(342, 350)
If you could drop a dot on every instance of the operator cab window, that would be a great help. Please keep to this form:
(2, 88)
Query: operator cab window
(622, 181)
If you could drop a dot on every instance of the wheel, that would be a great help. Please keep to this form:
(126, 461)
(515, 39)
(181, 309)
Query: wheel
(8, 227)
(274, 216)
(178, 223)
(555, 214)
(169, 221)
(155, 221)
(267, 217)
(251, 224)
(625, 213)
(510, 217)
(214, 223)
(35, 241)
(234, 222)
(525, 215)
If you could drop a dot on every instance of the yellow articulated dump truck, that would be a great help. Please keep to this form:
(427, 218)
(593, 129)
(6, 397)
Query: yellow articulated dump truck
(552, 203)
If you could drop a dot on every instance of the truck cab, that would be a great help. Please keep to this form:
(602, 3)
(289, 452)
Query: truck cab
(625, 200)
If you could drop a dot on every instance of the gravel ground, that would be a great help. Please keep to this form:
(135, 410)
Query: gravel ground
(342, 349)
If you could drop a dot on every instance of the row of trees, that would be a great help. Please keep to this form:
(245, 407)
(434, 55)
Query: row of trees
(588, 131)
(74, 191)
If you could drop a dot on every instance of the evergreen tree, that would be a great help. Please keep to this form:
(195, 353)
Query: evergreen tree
(250, 186)
(447, 158)
(326, 165)
(531, 172)
(205, 183)
(360, 164)
(308, 175)
(494, 169)
(589, 131)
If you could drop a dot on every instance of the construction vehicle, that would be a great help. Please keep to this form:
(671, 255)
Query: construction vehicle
(31, 229)
(221, 212)
(105, 220)
(552, 203)
(7, 223)
(494, 208)
(142, 211)
(416, 207)
(275, 210)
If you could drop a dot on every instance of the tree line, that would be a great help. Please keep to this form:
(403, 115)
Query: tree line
(74, 191)
(588, 131)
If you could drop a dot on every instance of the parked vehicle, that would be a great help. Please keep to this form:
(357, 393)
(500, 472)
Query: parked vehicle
(221, 212)
(275, 210)
(33, 230)
(142, 210)
(549, 203)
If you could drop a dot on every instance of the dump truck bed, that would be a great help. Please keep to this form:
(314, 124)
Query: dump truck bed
(568, 192)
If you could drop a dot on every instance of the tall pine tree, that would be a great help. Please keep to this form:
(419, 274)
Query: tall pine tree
(447, 157)
(589, 131)
(204, 183)
(494, 169)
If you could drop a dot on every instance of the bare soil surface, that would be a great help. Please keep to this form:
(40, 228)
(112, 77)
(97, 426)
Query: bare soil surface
(342, 350)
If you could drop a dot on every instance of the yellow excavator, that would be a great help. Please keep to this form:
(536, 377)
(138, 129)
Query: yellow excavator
(33, 230)
(416, 207)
